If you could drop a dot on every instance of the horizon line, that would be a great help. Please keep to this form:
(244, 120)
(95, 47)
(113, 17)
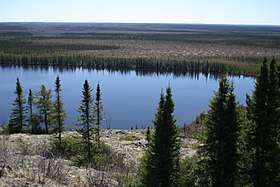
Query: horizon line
(177, 23)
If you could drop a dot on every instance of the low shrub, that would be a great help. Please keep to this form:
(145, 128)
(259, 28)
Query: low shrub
(128, 138)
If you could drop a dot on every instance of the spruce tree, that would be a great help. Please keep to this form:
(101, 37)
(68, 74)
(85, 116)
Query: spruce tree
(30, 103)
(86, 120)
(219, 153)
(98, 113)
(33, 118)
(160, 165)
(45, 105)
(59, 113)
(18, 112)
(230, 138)
(148, 135)
(263, 111)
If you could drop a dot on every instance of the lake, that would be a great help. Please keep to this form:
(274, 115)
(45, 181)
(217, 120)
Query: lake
(129, 98)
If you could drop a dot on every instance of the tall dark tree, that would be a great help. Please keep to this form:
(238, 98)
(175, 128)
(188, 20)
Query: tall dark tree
(148, 135)
(33, 118)
(219, 153)
(30, 103)
(45, 105)
(86, 120)
(263, 111)
(161, 162)
(59, 114)
(18, 112)
(98, 113)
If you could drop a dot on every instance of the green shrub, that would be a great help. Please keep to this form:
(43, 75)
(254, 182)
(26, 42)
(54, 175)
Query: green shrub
(71, 146)
(4, 129)
(188, 169)
(74, 149)
(128, 138)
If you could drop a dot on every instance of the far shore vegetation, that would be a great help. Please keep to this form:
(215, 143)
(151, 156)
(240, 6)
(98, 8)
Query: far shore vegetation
(159, 48)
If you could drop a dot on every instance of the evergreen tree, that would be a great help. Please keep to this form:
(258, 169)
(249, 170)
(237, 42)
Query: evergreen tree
(86, 119)
(263, 111)
(185, 129)
(161, 161)
(219, 153)
(98, 113)
(59, 113)
(148, 135)
(44, 104)
(30, 103)
(33, 118)
(18, 112)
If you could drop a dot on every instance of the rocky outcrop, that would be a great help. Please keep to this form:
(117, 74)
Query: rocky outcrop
(132, 143)
(27, 160)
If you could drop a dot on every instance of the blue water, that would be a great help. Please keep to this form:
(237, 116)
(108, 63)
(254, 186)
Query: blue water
(129, 99)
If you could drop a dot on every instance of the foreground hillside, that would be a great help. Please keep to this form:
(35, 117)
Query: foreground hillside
(31, 160)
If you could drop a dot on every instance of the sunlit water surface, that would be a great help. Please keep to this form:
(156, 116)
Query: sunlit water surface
(129, 98)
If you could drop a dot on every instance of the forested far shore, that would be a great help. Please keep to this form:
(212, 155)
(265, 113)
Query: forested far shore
(138, 64)
(156, 47)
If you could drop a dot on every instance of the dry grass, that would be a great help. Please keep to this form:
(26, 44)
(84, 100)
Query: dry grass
(20, 166)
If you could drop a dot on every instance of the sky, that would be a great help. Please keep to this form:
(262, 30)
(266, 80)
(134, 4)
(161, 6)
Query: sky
(256, 12)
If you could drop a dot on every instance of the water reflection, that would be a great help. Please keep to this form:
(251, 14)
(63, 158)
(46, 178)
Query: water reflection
(125, 72)
(130, 98)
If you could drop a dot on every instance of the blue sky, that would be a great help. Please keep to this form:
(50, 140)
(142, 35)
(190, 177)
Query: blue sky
(143, 11)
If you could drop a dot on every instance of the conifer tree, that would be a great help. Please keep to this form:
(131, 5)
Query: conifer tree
(263, 111)
(59, 113)
(30, 103)
(98, 113)
(18, 112)
(86, 120)
(44, 104)
(148, 135)
(161, 161)
(33, 118)
(219, 154)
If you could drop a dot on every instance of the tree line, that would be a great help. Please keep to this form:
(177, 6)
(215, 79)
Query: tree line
(137, 63)
(40, 114)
